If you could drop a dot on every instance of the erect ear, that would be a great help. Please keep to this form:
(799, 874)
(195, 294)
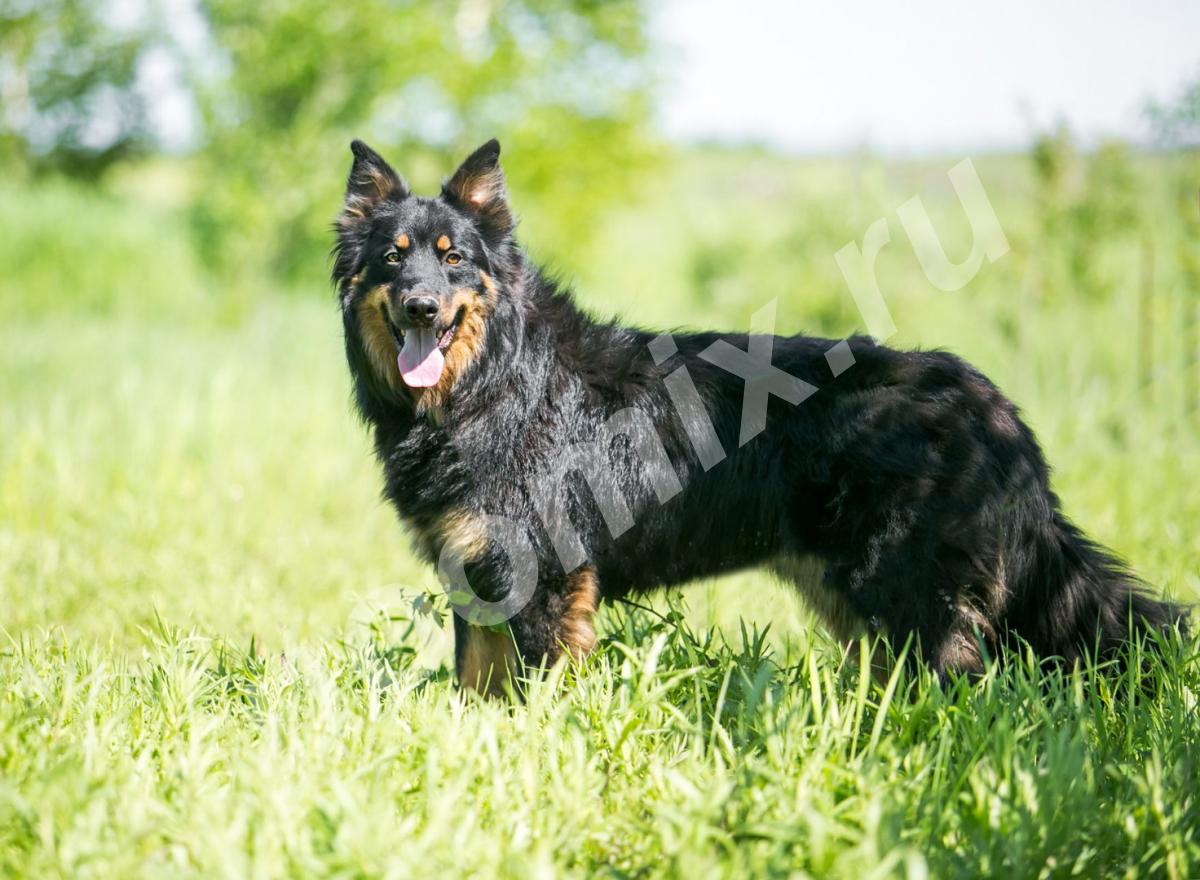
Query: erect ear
(371, 182)
(478, 186)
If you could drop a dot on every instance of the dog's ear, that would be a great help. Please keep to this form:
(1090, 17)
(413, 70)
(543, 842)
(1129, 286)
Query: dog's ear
(371, 182)
(478, 187)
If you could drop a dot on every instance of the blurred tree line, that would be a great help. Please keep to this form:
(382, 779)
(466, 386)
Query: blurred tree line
(68, 78)
(1178, 123)
(279, 87)
(1088, 205)
(1095, 222)
(1093, 203)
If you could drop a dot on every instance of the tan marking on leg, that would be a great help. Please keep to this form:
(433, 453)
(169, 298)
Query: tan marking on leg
(463, 533)
(485, 661)
(443, 243)
(576, 630)
(975, 612)
(997, 595)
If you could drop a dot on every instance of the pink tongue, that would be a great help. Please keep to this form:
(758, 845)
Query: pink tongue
(420, 361)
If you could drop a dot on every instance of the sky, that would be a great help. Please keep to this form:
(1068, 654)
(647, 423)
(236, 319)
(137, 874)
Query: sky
(919, 77)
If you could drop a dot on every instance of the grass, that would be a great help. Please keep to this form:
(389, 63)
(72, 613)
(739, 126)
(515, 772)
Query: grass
(211, 663)
(671, 753)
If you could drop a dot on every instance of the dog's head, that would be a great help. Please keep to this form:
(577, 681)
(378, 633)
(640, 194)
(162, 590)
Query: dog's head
(416, 275)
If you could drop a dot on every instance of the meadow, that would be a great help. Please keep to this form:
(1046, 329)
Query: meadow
(215, 658)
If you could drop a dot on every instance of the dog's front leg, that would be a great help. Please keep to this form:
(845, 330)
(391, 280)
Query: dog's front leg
(485, 659)
(557, 622)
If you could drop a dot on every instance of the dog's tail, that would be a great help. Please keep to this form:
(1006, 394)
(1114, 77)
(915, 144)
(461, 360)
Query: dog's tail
(1090, 602)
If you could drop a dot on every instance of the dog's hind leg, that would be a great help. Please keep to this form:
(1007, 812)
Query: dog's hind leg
(813, 581)
(938, 604)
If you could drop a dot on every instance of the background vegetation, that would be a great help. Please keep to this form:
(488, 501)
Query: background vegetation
(215, 658)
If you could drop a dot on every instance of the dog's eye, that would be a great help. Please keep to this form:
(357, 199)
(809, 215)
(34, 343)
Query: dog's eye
(454, 258)
(392, 257)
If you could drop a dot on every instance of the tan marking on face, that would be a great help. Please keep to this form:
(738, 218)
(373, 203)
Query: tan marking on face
(576, 630)
(489, 286)
(484, 660)
(464, 348)
(377, 340)
(443, 243)
(402, 241)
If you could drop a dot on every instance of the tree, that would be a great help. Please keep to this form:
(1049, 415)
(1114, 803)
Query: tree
(1178, 121)
(1178, 125)
(1088, 205)
(68, 76)
(565, 85)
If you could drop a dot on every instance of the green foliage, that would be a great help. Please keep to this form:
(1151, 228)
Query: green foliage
(726, 232)
(1178, 121)
(218, 659)
(68, 74)
(563, 85)
(1089, 207)
(1104, 218)
(70, 249)
(1179, 126)
(1054, 156)
(1109, 205)
(282, 87)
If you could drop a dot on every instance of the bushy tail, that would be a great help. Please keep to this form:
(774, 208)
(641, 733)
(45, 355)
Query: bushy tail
(1081, 599)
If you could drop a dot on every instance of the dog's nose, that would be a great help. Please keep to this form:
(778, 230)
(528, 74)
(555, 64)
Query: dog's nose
(421, 310)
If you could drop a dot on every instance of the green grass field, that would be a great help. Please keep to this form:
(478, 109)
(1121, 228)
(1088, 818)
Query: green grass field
(211, 664)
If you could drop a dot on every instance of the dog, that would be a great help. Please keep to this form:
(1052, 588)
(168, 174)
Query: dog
(545, 460)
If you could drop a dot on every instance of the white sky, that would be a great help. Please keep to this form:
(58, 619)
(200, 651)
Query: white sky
(919, 76)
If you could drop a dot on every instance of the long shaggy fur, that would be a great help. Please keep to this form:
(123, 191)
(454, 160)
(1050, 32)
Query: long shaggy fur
(909, 477)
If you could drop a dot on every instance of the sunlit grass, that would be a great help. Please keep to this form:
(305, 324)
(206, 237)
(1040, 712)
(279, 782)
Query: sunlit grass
(670, 752)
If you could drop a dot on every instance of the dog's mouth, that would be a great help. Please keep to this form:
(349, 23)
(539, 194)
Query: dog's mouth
(421, 356)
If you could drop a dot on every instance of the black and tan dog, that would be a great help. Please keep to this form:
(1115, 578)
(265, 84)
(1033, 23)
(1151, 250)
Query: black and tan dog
(547, 460)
